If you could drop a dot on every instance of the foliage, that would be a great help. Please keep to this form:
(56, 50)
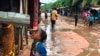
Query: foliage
(66, 3)
(46, 6)
(99, 2)
(94, 2)
(72, 3)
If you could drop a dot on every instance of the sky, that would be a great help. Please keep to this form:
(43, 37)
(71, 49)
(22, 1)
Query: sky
(47, 1)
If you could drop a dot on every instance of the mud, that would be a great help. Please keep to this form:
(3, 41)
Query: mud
(68, 40)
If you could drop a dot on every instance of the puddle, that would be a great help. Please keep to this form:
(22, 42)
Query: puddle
(53, 43)
(63, 30)
(93, 39)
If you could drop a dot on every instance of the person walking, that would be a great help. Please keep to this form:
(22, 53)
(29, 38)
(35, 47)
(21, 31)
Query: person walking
(76, 19)
(46, 17)
(85, 17)
(53, 18)
(91, 20)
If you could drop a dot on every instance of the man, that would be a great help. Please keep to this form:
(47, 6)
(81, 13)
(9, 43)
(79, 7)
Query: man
(53, 18)
(46, 17)
(76, 19)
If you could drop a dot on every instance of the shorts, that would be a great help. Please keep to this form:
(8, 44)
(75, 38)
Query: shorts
(46, 17)
(90, 23)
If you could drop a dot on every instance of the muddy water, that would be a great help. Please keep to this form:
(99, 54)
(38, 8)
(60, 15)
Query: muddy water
(94, 48)
(52, 43)
(93, 37)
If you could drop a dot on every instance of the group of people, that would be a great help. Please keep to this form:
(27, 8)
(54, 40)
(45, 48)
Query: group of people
(88, 18)
(53, 15)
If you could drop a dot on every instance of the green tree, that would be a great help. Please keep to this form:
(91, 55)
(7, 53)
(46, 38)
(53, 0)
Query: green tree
(94, 2)
(73, 3)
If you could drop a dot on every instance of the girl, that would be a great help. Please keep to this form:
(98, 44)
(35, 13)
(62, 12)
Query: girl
(85, 16)
(38, 48)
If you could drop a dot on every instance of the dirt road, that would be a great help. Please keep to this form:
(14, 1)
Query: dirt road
(68, 40)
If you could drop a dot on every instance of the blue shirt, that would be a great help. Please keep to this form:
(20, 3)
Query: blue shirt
(50, 10)
(98, 14)
(91, 18)
(40, 48)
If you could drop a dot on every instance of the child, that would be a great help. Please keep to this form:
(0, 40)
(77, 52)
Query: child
(38, 48)
(91, 20)
(85, 17)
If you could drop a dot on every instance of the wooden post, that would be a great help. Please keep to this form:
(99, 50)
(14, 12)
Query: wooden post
(21, 33)
(33, 11)
(26, 6)
(26, 12)
(26, 36)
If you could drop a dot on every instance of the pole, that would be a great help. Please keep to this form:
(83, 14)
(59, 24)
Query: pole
(26, 6)
(21, 7)
(33, 11)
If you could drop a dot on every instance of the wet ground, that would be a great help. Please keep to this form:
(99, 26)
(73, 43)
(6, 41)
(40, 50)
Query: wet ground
(68, 40)
(92, 37)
